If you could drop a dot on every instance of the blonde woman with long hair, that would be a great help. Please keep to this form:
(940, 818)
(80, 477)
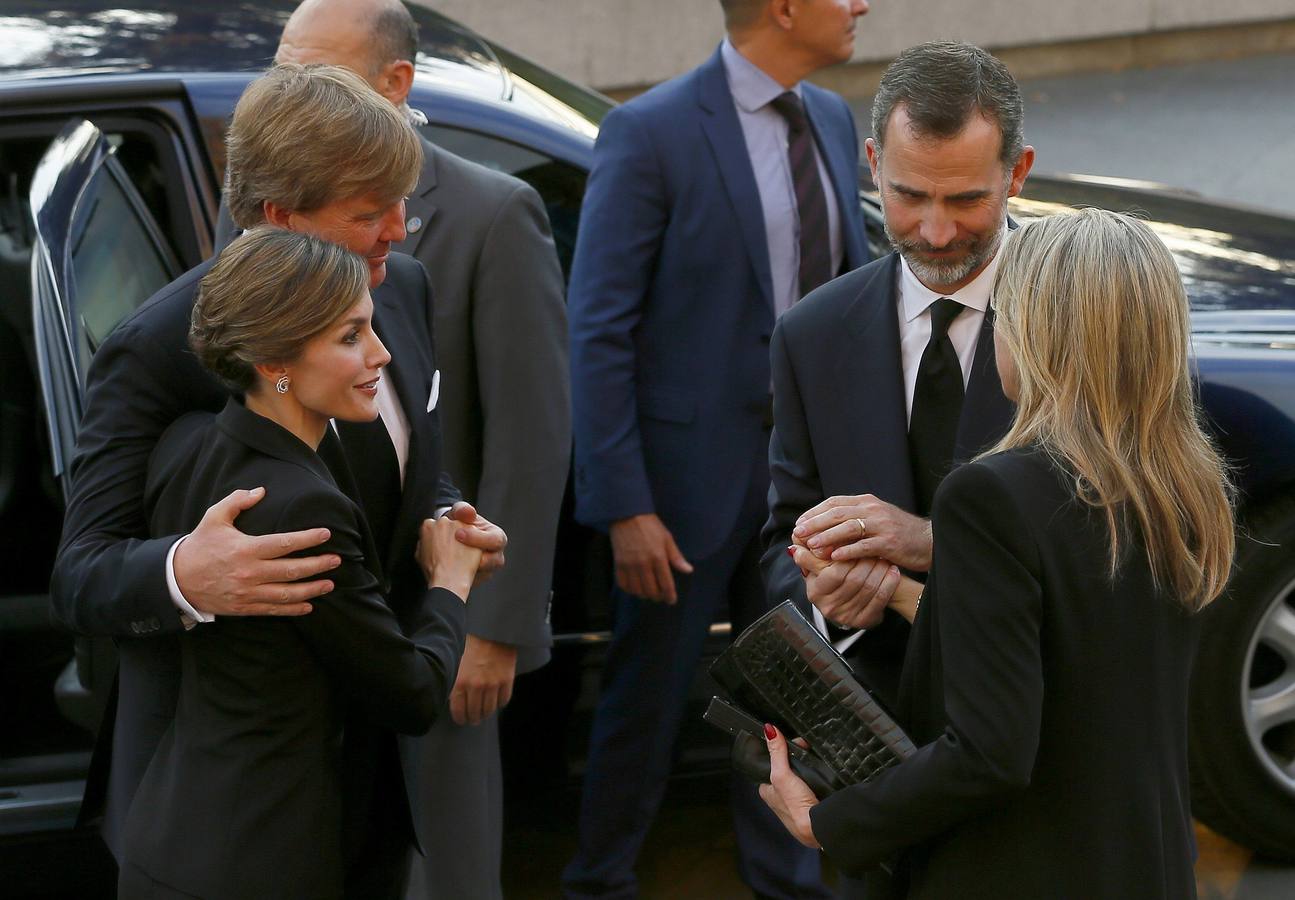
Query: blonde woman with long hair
(1047, 677)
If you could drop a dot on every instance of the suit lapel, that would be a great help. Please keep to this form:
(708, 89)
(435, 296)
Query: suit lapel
(844, 173)
(409, 374)
(870, 368)
(419, 204)
(986, 412)
(723, 131)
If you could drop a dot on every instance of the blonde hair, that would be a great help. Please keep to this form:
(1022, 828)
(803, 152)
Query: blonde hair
(305, 136)
(1092, 310)
(268, 294)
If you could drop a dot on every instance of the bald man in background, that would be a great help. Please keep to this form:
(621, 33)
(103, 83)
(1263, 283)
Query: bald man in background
(501, 340)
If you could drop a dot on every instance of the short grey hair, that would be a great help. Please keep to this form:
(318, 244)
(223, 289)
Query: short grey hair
(942, 84)
(394, 34)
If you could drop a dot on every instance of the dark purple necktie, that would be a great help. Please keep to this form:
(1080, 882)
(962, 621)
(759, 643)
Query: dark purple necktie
(815, 241)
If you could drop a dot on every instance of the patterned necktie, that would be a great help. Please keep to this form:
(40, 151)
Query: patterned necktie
(937, 405)
(811, 202)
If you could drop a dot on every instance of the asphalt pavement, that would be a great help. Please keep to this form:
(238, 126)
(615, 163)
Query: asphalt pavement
(1223, 129)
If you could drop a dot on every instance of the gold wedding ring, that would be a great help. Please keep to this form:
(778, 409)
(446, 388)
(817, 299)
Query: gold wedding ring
(863, 529)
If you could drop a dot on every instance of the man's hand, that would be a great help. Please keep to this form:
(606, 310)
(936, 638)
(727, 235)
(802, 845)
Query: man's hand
(223, 572)
(483, 534)
(853, 593)
(645, 554)
(787, 795)
(485, 682)
(845, 528)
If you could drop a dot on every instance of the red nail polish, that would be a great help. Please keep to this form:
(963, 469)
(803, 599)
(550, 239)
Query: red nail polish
(791, 551)
(769, 732)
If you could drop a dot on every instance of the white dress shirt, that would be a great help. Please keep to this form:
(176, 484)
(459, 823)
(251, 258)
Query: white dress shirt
(915, 301)
(914, 311)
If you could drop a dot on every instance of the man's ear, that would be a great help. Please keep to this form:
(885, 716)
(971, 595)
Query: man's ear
(1020, 171)
(396, 80)
(276, 215)
(782, 12)
(874, 160)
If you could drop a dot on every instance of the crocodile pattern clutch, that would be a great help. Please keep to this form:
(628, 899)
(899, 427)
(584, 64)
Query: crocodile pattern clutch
(782, 670)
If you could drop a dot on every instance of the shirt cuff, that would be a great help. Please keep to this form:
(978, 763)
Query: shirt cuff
(189, 616)
(844, 643)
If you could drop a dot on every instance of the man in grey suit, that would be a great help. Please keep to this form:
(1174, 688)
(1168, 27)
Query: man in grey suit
(500, 324)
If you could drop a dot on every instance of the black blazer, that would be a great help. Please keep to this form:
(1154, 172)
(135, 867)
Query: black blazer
(109, 577)
(841, 426)
(243, 797)
(1049, 704)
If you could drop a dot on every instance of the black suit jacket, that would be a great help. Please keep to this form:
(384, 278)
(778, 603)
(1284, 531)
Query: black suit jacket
(109, 577)
(841, 428)
(1049, 703)
(243, 797)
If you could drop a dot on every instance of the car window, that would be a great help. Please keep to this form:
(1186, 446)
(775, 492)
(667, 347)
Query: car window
(116, 264)
(560, 186)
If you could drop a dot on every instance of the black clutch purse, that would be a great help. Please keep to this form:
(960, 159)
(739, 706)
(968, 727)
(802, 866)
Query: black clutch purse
(781, 670)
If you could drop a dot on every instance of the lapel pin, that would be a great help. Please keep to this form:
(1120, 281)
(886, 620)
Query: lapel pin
(414, 224)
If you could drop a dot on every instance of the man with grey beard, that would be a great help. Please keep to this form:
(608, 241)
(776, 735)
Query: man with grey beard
(884, 378)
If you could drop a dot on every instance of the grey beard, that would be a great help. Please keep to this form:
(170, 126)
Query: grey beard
(979, 252)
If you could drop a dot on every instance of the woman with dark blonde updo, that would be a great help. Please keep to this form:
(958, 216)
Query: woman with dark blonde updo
(244, 797)
(1047, 676)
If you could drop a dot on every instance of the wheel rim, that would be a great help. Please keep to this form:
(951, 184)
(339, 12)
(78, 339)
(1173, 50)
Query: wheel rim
(1268, 689)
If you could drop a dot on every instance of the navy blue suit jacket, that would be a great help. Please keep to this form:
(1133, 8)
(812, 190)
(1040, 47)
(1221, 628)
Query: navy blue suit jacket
(841, 427)
(671, 307)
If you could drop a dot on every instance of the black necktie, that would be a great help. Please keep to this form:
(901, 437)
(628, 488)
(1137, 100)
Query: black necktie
(815, 241)
(371, 458)
(937, 404)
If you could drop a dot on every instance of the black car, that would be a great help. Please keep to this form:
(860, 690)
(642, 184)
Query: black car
(111, 154)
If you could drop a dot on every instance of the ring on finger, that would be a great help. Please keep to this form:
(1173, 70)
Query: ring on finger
(863, 527)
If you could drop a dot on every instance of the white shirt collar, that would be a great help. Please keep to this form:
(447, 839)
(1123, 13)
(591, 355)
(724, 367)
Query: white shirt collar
(917, 297)
(751, 86)
(416, 117)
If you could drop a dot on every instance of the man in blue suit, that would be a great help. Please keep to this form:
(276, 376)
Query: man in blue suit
(715, 201)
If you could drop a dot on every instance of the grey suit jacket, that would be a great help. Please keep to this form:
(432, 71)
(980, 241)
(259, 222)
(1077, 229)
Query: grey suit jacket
(505, 399)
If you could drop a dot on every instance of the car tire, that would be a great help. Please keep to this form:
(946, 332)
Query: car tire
(1242, 719)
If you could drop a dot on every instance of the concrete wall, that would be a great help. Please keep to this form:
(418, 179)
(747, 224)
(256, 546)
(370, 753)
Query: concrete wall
(613, 44)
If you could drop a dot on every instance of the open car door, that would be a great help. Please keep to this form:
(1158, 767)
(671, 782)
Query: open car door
(96, 255)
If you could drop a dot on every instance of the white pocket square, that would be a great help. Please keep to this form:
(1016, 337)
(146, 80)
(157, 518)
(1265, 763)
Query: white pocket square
(436, 391)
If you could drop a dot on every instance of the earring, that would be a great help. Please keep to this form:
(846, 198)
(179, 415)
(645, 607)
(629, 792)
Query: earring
(282, 385)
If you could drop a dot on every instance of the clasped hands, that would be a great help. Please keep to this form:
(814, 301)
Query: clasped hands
(224, 572)
(850, 551)
(484, 683)
(474, 531)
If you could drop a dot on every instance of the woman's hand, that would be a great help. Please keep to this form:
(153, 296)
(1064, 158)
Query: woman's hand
(453, 563)
(852, 594)
(788, 796)
(480, 532)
